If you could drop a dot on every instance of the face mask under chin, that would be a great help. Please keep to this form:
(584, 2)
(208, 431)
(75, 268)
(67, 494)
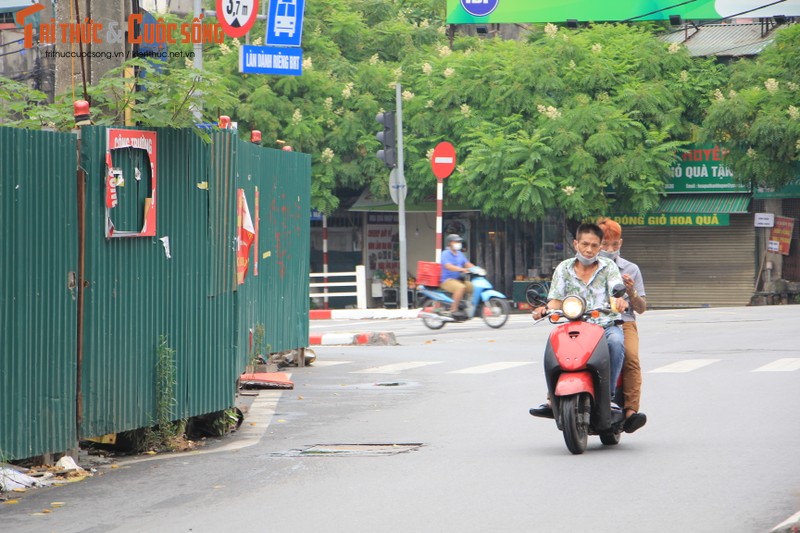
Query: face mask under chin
(585, 261)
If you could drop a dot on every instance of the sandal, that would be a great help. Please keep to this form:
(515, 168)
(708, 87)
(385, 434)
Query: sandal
(634, 422)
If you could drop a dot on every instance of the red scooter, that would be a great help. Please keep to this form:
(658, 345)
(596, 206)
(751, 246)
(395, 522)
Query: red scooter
(577, 370)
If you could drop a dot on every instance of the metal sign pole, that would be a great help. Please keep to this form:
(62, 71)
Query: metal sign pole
(402, 201)
(439, 199)
(197, 61)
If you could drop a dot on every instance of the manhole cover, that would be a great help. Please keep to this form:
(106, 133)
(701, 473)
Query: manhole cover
(359, 450)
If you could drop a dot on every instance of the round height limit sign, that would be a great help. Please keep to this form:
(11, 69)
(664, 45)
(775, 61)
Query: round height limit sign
(237, 16)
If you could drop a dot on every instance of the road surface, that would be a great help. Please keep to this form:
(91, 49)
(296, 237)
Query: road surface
(719, 453)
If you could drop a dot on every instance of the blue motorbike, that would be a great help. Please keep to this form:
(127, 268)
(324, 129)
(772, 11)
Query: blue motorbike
(490, 304)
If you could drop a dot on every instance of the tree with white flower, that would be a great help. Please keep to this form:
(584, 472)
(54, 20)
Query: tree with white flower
(758, 121)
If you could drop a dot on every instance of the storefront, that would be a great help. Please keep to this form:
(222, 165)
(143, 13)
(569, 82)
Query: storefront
(784, 203)
(691, 258)
(381, 237)
(697, 248)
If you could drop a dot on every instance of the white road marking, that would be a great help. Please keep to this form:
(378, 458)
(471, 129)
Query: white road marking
(322, 364)
(396, 368)
(792, 520)
(337, 323)
(685, 366)
(788, 364)
(491, 367)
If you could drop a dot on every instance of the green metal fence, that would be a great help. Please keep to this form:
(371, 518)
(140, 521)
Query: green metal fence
(282, 180)
(141, 288)
(38, 266)
(180, 283)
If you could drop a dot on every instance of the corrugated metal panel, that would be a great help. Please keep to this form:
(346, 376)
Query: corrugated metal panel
(695, 267)
(136, 293)
(704, 203)
(724, 40)
(38, 251)
(278, 297)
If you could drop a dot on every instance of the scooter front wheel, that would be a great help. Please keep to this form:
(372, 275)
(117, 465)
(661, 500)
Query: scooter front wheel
(495, 312)
(575, 421)
(431, 308)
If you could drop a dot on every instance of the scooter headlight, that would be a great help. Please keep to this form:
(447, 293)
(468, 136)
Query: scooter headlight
(573, 307)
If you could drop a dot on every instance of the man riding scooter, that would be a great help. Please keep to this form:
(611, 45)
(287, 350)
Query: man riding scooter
(454, 266)
(593, 278)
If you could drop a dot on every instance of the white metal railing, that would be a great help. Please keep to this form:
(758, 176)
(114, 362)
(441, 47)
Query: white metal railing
(360, 285)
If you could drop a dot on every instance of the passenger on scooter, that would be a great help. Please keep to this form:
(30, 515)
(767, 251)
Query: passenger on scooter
(593, 278)
(634, 285)
(454, 266)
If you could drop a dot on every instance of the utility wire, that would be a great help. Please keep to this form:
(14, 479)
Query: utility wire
(707, 22)
(658, 11)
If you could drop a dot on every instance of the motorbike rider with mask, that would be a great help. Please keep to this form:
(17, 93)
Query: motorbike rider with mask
(454, 266)
(634, 285)
(593, 278)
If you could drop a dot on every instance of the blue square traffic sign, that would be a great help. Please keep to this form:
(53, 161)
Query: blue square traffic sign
(270, 60)
(285, 22)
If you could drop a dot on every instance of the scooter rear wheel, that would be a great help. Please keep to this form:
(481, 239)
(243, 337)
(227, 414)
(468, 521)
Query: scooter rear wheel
(574, 417)
(432, 306)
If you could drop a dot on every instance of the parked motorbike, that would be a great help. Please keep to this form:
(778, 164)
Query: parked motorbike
(577, 369)
(490, 304)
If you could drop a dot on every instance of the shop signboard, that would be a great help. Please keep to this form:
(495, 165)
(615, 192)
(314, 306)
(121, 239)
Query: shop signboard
(780, 236)
(701, 170)
(673, 219)
(792, 190)
(383, 243)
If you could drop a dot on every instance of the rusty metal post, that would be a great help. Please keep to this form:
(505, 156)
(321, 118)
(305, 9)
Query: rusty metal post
(82, 118)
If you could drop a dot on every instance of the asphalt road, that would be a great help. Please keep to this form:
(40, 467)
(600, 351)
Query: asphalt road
(719, 453)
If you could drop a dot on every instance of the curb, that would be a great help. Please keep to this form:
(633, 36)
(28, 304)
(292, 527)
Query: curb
(361, 314)
(372, 338)
(256, 421)
(790, 525)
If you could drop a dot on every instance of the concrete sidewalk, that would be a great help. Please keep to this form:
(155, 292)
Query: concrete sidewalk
(362, 314)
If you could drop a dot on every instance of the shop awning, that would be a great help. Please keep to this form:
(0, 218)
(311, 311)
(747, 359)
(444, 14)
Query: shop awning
(704, 203)
(369, 202)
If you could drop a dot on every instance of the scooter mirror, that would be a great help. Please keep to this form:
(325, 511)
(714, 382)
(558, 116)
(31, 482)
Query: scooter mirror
(618, 291)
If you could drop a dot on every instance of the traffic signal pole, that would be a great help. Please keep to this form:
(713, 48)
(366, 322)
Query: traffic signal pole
(401, 207)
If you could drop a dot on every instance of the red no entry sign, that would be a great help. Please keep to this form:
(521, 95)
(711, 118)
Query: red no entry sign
(443, 161)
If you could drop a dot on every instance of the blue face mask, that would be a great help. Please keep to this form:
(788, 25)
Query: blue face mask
(611, 255)
(585, 261)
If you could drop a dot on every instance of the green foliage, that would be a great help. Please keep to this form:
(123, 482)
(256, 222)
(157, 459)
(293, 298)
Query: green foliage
(757, 115)
(165, 430)
(606, 107)
(167, 96)
(554, 121)
(258, 347)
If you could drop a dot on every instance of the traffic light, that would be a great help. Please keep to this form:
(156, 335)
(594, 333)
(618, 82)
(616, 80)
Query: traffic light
(388, 154)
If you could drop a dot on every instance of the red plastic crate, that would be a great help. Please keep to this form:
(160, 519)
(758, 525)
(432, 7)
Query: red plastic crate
(428, 273)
